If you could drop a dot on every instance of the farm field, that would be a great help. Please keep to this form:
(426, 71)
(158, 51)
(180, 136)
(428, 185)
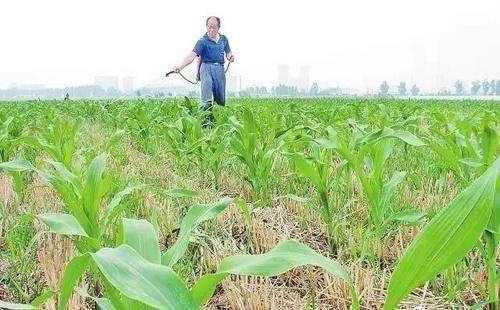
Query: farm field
(275, 204)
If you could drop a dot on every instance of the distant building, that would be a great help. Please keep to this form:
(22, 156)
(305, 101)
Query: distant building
(128, 84)
(106, 81)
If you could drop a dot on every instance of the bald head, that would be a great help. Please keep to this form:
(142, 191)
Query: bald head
(213, 19)
(213, 25)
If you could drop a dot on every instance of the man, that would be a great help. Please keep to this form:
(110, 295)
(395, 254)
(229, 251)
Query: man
(210, 49)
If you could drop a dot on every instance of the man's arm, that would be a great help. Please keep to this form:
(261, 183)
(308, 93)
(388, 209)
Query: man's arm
(198, 69)
(187, 61)
(227, 49)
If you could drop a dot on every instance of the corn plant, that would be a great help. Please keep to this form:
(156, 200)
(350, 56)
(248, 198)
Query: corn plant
(185, 138)
(318, 170)
(17, 168)
(366, 154)
(255, 152)
(450, 235)
(58, 140)
(136, 274)
(10, 140)
(20, 255)
(140, 254)
(463, 148)
(140, 123)
(83, 197)
(7, 141)
(191, 144)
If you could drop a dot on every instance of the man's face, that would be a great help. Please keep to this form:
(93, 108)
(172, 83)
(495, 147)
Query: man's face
(212, 27)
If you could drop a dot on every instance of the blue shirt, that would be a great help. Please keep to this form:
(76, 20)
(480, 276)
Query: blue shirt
(210, 51)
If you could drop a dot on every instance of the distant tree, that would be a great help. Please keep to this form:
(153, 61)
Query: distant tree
(414, 90)
(331, 91)
(486, 86)
(459, 87)
(476, 86)
(284, 90)
(402, 89)
(492, 87)
(497, 88)
(444, 92)
(384, 88)
(314, 89)
(138, 93)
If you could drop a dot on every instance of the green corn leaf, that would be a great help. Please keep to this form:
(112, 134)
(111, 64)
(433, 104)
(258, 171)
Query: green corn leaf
(70, 195)
(196, 215)
(180, 192)
(142, 237)
(326, 143)
(494, 224)
(410, 216)
(63, 172)
(72, 273)
(368, 138)
(42, 298)
(406, 136)
(113, 208)
(92, 192)
(63, 224)
(245, 209)
(489, 145)
(446, 239)
(152, 284)
(389, 187)
(103, 303)
(306, 169)
(285, 256)
(8, 305)
(115, 139)
(382, 150)
(295, 198)
(333, 137)
(17, 165)
(471, 162)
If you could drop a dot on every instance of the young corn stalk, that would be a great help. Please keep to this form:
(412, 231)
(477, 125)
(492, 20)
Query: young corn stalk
(58, 140)
(450, 235)
(87, 216)
(137, 275)
(191, 144)
(318, 169)
(366, 154)
(256, 152)
(464, 149)
(83, 197)
(10, 140)
(143, 124)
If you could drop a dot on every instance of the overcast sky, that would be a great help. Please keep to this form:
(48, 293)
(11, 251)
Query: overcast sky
(348, 43)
